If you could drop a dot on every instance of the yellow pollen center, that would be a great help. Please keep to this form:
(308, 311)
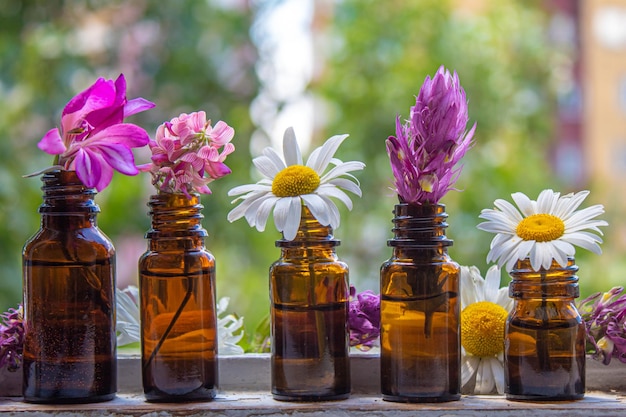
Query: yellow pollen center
(295, 180)
(482, 328)
(540, 228)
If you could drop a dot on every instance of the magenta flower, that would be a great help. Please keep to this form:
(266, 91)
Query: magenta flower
(186, 154)
(426, 149)
(93, 140)
(605, 321)
(12, 338)
(364, 318)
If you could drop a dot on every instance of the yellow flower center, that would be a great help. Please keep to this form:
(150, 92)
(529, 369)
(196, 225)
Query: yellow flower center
(540, 228)
(295, 180)
(482, 328)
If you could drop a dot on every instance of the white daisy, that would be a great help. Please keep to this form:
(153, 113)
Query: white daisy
(543, 230)
(484, 310)
(289, 184)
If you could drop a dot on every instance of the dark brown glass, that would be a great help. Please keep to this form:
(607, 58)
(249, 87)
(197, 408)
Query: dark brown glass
(420, 337)
(309, 294)
(69, 304)
(545, 336)
(178, 312)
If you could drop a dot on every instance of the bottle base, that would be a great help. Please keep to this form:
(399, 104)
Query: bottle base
(421, 399)
(541, 398)
(205, 395)
(69, 400)
(309, 397)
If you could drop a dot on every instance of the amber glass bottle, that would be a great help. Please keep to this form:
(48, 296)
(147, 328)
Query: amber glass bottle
(178, 314)
(544, 335)
(309, 294)
(69, 303)
(420, 338)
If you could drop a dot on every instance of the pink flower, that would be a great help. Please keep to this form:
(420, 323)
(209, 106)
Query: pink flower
(427, 148)
(93, 140)
(186, 154)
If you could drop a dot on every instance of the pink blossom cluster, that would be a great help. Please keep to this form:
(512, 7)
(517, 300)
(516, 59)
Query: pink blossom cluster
(186, 154)
(11, 338)
(426, 149)
(604, 315)
(93, 140)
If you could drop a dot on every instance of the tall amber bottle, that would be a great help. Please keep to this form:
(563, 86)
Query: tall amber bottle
(544, 350)
(178, 313)
(420, 338)
(69, 299)
(309, 294)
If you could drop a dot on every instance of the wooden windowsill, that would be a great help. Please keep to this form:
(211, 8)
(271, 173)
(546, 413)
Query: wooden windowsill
(244, 391)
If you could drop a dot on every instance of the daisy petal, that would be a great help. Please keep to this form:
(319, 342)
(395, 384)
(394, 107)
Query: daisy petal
(325, 154)
(291, 149)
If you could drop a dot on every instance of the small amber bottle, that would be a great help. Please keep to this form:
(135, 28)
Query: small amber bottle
(309, 295)
(178, 312)
(420, 338)
(69, 299)
(544, 336)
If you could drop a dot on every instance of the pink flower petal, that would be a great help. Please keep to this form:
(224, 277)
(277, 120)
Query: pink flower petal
(119, 157)
(222, 133)
(137, 105)
(52, 143)
(124, 133)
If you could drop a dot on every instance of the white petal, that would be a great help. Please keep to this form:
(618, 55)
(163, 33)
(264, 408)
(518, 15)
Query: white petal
(584, 240)
(329, 190)
(547, 201)
(509, 210)
(281, 212)
(484, 378)
(469, 368)
(318, 208)
(468, 287)
(239, 211)
(567, 206)
(319, 160)
(333, 212)
(342, 169)
(291, 149)
(263, 212)
(492, 284)
(292, 222)
(524, 203)
(242, 189)
(497, 370)
(266, 166)
(273, 156)
(346, 185)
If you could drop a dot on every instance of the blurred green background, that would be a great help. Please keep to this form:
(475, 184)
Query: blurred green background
(368, 63)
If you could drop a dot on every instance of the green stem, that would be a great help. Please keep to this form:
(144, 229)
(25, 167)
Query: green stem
(543, 351)
(177, 314)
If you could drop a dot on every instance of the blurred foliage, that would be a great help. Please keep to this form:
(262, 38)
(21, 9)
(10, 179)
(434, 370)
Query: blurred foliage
(189, 55)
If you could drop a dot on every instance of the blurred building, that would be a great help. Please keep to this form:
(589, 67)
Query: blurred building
(590, 139)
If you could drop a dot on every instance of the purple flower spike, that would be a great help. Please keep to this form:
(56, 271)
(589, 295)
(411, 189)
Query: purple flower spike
(426, 149)
(11, 339)
(604, 315)
(93, 140)
(364, 319)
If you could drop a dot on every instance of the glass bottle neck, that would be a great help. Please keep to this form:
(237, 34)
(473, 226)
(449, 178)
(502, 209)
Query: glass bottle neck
(311, 236)
(419, 230)
(67, 202)
(176, 222)
(557, 282)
